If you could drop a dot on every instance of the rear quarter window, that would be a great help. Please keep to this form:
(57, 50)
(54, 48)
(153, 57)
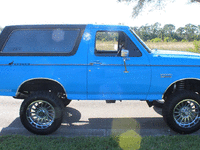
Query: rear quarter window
(41, 41)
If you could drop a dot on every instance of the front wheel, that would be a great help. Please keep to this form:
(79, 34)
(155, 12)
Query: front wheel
(41, 113)
(181, 112)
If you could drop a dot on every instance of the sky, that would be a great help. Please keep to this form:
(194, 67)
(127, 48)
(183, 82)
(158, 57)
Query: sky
(20, 12)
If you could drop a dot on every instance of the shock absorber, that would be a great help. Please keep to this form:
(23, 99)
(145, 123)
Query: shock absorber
(180, 86)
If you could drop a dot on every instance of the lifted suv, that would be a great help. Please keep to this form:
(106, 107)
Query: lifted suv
(48, 65)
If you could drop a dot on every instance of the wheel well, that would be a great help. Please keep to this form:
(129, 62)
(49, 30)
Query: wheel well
(39, 85)
(185, 84)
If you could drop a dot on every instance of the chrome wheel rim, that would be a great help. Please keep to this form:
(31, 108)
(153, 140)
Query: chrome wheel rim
(40, 114)
(186, 113)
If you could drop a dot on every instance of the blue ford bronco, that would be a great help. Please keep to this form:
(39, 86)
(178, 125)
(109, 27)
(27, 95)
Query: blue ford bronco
(49, 65)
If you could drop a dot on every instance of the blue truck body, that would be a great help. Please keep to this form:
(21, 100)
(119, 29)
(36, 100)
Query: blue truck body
(64, 60)
(148, 79)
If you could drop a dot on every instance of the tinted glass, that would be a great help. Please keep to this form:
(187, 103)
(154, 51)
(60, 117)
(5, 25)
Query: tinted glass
(41, 41)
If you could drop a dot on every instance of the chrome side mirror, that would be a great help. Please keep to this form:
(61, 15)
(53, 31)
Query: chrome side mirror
(124, 53)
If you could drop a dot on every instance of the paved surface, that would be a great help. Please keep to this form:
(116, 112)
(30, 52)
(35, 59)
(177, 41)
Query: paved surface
(92, 118)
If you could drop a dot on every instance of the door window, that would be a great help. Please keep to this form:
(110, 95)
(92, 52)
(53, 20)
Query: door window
(107, 41)
(110, 43)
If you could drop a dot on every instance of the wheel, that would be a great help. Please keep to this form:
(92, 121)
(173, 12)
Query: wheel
(158, 103)
(181, 112)
(41, 113)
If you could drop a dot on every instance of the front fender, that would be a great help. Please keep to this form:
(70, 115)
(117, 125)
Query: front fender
(164, 77)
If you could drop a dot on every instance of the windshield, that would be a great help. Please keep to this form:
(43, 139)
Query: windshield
(141, 42)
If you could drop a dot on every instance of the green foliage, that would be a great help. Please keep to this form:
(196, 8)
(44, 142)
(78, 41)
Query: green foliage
(174, 40)
(196, 48)
(184, 40)
(197, 45)
(107, 36)
(168, 33)
(155, 40)
(167, 39)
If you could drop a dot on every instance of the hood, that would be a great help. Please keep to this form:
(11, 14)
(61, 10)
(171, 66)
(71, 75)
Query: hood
(170, 57)
(175, 54)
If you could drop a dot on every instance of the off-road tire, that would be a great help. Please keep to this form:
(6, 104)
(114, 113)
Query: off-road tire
(41, 107)
(181, 112)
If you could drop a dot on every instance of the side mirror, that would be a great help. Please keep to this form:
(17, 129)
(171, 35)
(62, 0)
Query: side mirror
(124, 53)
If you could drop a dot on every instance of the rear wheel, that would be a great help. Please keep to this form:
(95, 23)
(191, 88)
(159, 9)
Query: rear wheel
(181, 112)
(41, 113)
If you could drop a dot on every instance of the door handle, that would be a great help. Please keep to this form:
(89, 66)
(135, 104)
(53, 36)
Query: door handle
(95, 63)
(125, 71)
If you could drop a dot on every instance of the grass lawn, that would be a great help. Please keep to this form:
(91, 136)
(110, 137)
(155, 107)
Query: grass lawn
(182, 142)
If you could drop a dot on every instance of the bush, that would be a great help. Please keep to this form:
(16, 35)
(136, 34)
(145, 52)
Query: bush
(156, 40)
(184, 40)
(174, 40)
(196, 47)
(167, 39)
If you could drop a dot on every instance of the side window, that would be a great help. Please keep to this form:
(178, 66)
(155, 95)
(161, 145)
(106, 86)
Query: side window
(41, 41)
(107, 42)
(133, 49)
(110, 44)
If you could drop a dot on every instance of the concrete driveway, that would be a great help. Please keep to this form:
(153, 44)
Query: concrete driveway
(92, 118)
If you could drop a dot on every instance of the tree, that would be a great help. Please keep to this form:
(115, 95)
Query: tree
(150, 32)
(144, 32)
(157, 4)
(191, 32)
(180, 32)
(169, 30)
(198, 33)
(155, 30)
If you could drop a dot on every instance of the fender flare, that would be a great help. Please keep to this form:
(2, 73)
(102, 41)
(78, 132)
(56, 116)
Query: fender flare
(177, 80)
(40, 78)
